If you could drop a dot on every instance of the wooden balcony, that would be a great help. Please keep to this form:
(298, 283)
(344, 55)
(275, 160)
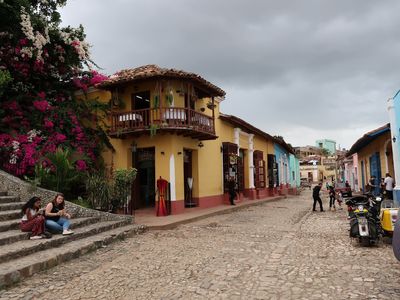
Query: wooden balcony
(181, 121)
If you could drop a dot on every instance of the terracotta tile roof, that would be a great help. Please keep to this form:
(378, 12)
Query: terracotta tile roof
(250, 128)
(150, 71)
(367, 138)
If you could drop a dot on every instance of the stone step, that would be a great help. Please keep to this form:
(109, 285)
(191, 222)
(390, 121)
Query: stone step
(9, 225)
(10, 214)
(14, 224)
(15, 270)
(11, 206)
(13, 236)
(26, 247)
(3, 193)
(8, 199)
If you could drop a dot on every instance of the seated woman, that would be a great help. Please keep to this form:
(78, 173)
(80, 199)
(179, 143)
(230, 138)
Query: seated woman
(56, 216)
(32, 220)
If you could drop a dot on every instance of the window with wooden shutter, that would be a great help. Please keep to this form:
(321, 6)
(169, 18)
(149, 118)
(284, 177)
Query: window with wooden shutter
(230, 163)
(259, 169)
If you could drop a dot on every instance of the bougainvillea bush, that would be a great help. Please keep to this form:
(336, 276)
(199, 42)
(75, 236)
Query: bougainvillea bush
(42, 67)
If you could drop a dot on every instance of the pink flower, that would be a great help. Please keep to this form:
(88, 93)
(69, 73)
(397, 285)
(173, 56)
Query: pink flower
(59, 137)
(12, 105)
(81, 165)
(41, 105)
(42, 95)
(97, 78)
(23, 41)
(38, 66)
(48, 124)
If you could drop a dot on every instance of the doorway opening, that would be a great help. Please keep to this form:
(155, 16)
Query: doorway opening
(144, 185)
(188, 178)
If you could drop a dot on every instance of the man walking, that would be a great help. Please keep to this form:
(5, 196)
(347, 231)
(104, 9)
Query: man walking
(316, 196)
(389, 184)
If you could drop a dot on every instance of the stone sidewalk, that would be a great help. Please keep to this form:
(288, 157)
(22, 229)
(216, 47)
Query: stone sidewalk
(278, 250)
(148, 217)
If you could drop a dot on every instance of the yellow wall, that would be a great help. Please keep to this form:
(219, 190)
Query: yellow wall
(207, 161)
(378, 145)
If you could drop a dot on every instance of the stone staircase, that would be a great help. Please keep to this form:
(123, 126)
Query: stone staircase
(21, 257)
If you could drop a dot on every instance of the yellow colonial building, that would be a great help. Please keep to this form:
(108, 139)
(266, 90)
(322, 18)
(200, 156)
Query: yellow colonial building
(374, 152)
(167, 124)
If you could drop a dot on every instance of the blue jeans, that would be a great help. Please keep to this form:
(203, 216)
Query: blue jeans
(59, 226)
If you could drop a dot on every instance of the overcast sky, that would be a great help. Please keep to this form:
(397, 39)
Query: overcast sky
(305, 70)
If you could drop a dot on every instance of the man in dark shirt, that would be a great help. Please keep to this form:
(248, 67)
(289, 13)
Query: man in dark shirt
(316, 196)
(232, 190)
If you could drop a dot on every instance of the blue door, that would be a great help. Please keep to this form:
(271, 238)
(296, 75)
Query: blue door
(375, 170)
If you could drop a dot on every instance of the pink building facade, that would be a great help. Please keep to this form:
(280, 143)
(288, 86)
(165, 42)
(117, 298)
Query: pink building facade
(351, 172)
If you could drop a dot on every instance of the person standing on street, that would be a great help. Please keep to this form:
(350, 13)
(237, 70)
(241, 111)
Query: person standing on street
(332, 198)
(316, 196)
(389, 184)
(232, 189)
(373, 186)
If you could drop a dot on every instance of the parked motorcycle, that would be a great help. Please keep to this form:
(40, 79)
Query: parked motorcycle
(364, 218)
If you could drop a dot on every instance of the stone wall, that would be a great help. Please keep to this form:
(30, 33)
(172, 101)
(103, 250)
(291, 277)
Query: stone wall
(17, 187)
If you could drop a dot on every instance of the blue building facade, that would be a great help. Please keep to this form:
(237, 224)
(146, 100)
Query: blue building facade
(282, 160)
(394, 117)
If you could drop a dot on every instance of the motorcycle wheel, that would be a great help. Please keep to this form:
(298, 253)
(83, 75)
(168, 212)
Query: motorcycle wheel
(364, 241)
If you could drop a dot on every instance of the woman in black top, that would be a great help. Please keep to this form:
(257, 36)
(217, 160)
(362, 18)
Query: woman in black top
(57, 219)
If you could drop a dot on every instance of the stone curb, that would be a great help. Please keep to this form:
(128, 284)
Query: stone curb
(227, 210)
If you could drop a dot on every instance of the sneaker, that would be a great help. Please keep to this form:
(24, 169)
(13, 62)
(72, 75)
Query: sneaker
(35, 237)
(67, 232)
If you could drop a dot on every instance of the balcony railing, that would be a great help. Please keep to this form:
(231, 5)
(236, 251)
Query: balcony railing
(185, 120)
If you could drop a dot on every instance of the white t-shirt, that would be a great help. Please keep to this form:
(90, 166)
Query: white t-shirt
(389, 183)
(25, 217)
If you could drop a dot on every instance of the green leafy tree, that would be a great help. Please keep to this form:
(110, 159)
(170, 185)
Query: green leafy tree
(42, 66)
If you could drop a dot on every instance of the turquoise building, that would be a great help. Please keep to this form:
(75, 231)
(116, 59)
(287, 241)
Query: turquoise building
(294, 167)
(329, 145)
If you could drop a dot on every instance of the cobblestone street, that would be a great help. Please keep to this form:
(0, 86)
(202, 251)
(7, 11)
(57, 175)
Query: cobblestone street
(278, 250)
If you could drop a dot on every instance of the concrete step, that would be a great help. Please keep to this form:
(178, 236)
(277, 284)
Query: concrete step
(8, 199)
(13, 236)
(26, 247)
(10, 214)
(11, 206)
(15, 270)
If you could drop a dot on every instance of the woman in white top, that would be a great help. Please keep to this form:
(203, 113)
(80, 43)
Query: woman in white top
(32, 221)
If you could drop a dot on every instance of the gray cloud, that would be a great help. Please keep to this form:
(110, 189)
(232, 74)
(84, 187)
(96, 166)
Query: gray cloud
(302, 69)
